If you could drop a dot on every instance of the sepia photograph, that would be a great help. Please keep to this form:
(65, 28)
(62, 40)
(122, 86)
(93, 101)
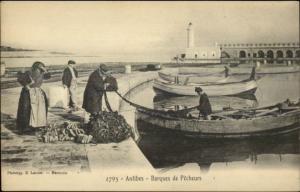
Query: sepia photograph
(150, 95)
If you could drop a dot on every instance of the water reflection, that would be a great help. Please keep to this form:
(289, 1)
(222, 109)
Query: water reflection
(164, 151)
(175, 152)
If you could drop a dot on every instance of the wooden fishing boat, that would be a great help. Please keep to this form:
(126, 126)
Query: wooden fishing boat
(203, 71)
(266, 70)
(193, 78)
(212, 89)
(265, 121)
(244, 70)
(160, 102)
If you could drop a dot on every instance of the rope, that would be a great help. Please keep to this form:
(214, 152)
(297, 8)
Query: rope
(107, 102)
(153, 110)
(183, 111)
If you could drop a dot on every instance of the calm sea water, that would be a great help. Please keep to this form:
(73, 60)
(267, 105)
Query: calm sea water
(168, 153)
(26, 58)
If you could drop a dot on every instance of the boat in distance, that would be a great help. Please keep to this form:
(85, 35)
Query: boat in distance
(192, 78)
(203, 71)
(243, 87)
(265, 70)
(266, 121)
(246, 69)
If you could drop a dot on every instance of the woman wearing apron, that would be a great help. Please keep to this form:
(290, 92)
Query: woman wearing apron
(33, 103)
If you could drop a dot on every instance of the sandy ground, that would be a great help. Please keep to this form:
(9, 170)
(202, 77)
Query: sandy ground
(27, 152)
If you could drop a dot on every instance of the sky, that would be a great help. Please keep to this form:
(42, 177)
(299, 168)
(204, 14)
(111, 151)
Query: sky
(144, 28)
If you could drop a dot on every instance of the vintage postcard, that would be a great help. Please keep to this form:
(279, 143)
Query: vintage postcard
(177, 96)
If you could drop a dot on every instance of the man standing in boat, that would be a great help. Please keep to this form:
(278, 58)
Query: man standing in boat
(204, 104)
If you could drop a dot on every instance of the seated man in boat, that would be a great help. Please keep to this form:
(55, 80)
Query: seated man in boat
(204, 104)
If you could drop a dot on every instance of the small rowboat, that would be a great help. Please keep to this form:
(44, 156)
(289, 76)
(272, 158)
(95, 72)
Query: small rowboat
(203, 71)
(212, 89)
(231, 124)
(193, 78)
(161, 102)
(244, 70)
(264, 70)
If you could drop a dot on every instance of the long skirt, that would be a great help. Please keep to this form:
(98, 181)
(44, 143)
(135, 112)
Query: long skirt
(32, 109)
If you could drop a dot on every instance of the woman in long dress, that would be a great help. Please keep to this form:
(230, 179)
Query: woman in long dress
(33, 103)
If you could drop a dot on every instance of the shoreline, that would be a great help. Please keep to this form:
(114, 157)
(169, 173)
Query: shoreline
(35, 155)
(9, 79)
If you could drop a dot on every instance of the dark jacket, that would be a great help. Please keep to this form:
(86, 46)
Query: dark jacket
(92, 99)
(204, 105)
(67, 76)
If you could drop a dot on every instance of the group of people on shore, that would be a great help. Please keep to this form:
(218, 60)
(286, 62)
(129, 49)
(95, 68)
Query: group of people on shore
(33, 102)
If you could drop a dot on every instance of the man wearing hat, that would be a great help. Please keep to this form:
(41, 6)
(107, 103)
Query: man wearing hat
(94, 90)
(204, 104)
(69, 80)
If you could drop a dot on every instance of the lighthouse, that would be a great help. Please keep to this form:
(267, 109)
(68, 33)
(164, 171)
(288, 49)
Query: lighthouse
(195, 54)
(190, 36)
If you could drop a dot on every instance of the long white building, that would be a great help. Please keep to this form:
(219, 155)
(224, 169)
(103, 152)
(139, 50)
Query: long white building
(266, 53)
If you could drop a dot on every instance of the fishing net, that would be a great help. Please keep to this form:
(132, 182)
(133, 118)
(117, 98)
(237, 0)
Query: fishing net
(109, 127)
(67, 131)
(106, 127)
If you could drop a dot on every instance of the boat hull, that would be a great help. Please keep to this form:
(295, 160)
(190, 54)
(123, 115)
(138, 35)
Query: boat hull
(246, 70)
(226, 89)
(184, 79)
(217, 103)
(201, 70)
(227, 128)
(266, 70)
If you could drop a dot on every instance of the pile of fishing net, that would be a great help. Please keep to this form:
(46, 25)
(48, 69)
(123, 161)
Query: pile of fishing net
(68, 131)
(109, 127)
(106, 127)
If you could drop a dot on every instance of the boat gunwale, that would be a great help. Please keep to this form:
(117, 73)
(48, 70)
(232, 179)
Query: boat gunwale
(186, 133)
(292, 126)
(172, 75)
(245, 81)
(297, 111)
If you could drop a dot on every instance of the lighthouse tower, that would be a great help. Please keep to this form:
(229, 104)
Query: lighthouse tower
(190, 36)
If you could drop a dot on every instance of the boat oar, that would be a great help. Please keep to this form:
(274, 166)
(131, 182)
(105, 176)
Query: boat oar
(259, 108)
(266, 112)
(222, 116)
(293, 111)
